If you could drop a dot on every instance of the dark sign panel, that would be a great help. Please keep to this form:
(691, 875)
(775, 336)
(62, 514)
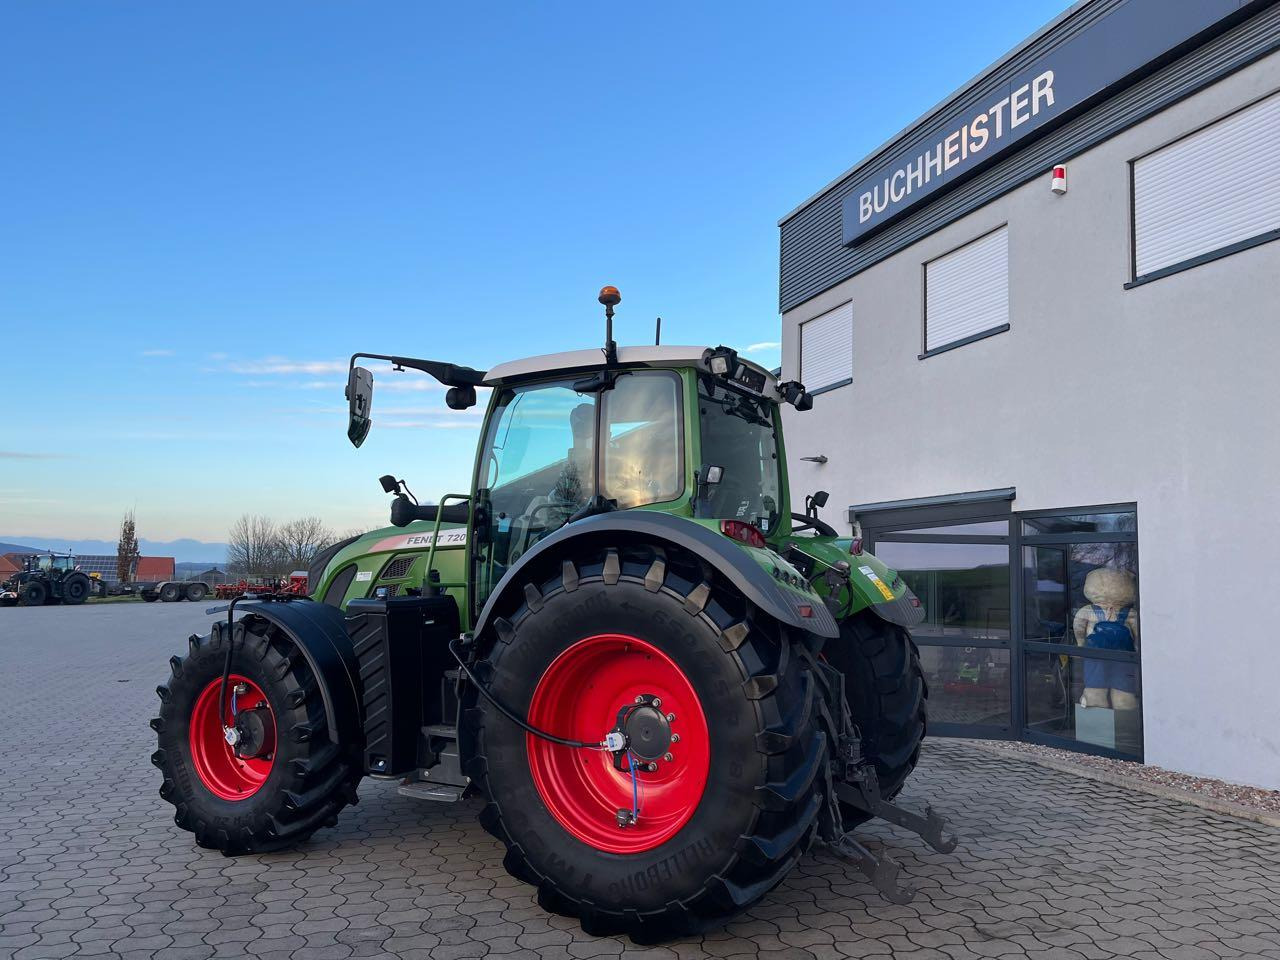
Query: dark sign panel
(1104, 54)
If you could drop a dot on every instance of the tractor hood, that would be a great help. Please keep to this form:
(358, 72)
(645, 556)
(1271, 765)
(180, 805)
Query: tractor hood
(389, 556)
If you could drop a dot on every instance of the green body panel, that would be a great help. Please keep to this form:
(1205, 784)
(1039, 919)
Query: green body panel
(374, 551)
(868, 580)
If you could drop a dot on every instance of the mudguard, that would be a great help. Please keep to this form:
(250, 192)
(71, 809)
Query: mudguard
(789, 606)
(320, 633)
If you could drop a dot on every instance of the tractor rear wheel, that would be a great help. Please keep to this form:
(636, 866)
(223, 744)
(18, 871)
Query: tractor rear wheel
(720, 710)
(887, 695)
(34, 594)
(285, 780)
(75, 588)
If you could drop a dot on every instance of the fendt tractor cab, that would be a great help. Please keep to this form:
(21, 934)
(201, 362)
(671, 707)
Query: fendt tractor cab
(47, 578)
(661, 684)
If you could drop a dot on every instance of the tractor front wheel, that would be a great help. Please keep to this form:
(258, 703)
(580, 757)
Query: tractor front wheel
(719, 790)
(284, 779)
(34, 594)
(887, 696)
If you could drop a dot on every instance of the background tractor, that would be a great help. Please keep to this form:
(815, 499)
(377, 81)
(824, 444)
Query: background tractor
(48, 578)
(662, 685)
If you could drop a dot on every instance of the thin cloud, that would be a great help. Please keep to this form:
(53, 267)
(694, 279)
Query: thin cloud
(766, 347)
(156, 353)
(281, 365)
(25, 455)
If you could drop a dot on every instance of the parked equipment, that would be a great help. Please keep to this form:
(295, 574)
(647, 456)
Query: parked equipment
(663, 684)
(47, 578)
(170, 591)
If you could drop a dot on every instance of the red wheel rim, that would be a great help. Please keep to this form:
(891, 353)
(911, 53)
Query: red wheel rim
(226, 775)
(578, 698)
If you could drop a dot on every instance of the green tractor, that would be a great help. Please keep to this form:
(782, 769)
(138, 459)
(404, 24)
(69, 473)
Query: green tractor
(661, 684)
(47, 578)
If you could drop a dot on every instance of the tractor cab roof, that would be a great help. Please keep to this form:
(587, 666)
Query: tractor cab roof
(578, 361)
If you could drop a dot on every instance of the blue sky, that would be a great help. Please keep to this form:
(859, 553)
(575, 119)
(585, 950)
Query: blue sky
(206, 207)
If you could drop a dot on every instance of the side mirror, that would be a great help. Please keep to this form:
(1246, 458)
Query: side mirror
(820, 498)
(359, 404)
(794, 393)
(460, 398)
(389, 483)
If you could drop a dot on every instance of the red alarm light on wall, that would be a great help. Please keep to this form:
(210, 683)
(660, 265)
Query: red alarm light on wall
(1059, 184)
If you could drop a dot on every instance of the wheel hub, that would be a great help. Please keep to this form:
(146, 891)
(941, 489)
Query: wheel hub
(256, 732)
(648, 732)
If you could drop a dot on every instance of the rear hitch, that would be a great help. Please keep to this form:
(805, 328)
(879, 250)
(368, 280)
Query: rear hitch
(861, 789)
(881, 871)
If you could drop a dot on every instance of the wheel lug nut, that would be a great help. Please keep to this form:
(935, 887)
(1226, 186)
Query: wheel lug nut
(639, 699)
(675, 738)
(657, 701)
(670, 717)
(667, 757)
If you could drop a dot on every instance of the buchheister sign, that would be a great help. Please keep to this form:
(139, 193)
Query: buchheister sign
(1134, 38)
(985, 130)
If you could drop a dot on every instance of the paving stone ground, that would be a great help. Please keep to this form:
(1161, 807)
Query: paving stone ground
(91, 864)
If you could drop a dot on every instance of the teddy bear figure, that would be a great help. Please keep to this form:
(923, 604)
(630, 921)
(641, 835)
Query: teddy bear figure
(1109, 621)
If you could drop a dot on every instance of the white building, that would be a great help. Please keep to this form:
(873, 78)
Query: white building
(1017, 386)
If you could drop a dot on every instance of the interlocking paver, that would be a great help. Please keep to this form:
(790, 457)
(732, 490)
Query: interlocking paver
(1050, 867)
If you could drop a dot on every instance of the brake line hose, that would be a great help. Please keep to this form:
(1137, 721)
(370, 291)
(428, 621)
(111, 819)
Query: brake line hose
(512, 716)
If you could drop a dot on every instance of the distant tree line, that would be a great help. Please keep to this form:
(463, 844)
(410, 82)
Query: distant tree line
(258, 546)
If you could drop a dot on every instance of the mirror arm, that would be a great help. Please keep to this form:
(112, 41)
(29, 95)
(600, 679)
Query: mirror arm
(449, 374)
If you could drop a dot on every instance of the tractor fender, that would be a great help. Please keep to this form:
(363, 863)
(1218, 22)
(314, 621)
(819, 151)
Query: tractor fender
(319, 631)
(728, 558)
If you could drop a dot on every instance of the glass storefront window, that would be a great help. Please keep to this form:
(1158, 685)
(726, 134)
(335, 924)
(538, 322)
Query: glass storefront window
(968, 685)
(984, 528)
(964, 587)
(1121, 522)
(1083, 597)
(1055, 700)
(1066, 667)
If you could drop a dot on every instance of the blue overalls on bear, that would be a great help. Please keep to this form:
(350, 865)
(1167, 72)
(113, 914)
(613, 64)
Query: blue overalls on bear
(1110, 635)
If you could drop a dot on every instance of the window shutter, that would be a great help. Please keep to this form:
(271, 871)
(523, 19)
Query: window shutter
(1209, 190)
(826, 348)
(967, 290)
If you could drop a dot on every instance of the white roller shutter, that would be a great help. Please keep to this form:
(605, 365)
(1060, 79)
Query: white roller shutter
(826, 348)
(967, 290)
(1209, 190)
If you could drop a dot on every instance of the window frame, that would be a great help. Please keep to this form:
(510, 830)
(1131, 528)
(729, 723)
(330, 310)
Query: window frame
(925, 351)
(1208, 256)
(836, 385)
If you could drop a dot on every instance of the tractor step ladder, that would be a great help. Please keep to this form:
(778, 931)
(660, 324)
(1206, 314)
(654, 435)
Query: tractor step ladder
(443, 781)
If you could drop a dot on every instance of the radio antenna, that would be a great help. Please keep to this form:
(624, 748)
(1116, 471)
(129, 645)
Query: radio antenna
(657, 333)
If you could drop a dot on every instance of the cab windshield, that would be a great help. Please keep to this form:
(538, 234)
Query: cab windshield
(738, 437)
